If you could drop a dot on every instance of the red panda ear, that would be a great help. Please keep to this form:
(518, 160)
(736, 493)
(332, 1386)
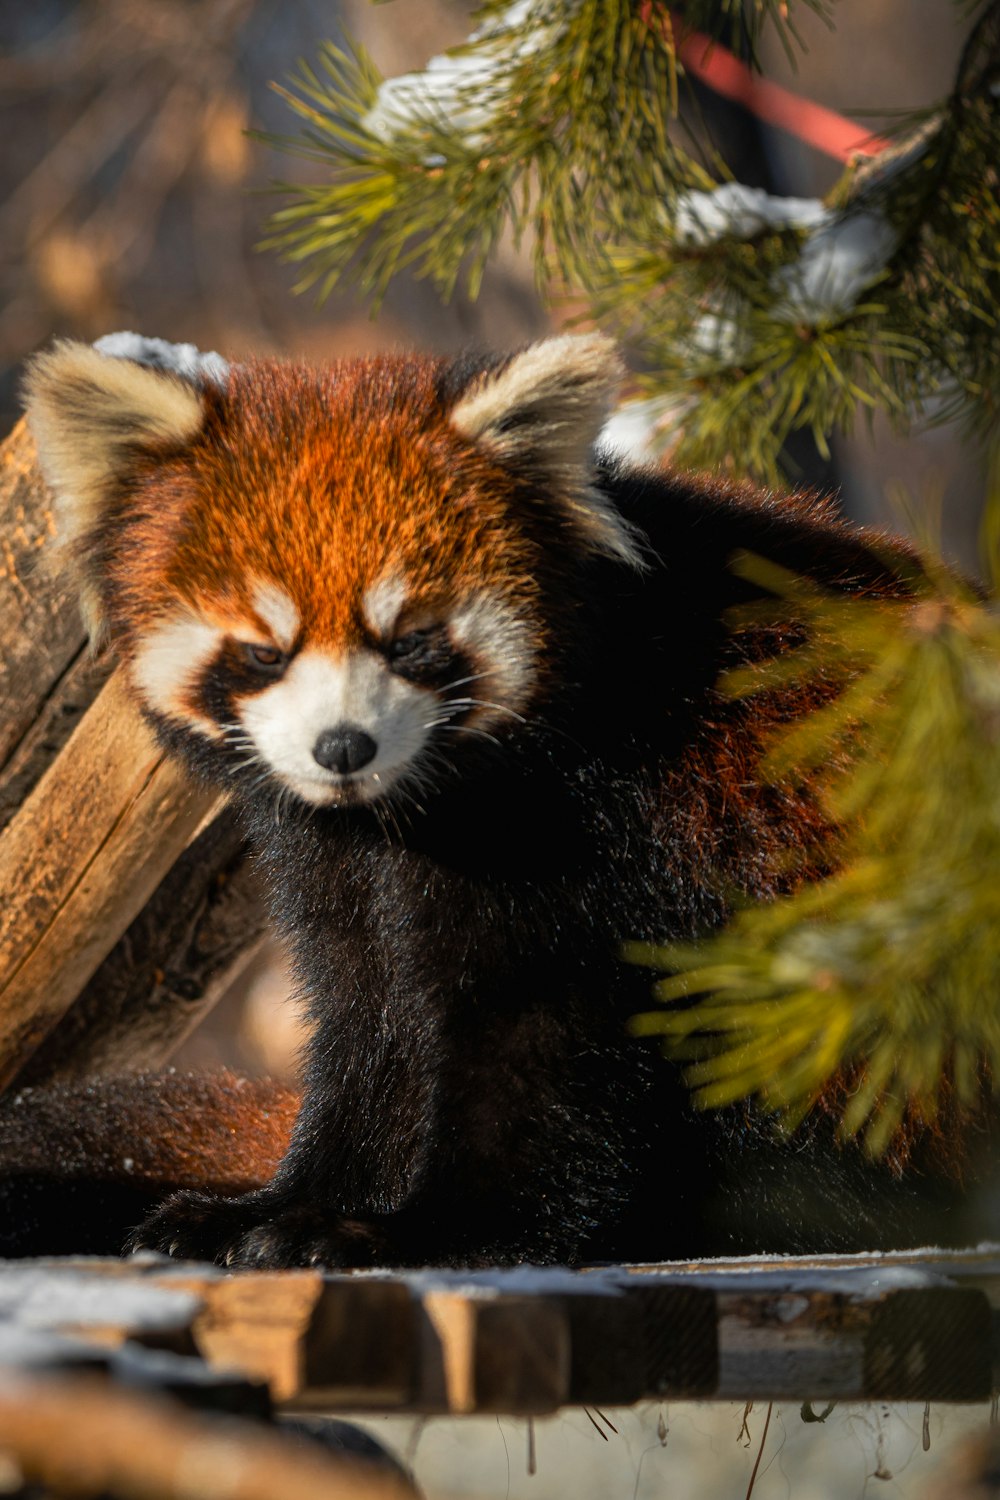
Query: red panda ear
(542, 413)
(88, 413)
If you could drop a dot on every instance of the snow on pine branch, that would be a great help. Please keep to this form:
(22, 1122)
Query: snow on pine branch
(739, 211)
(842, 252)
(463, 89)
(838, 260)
(639, 430)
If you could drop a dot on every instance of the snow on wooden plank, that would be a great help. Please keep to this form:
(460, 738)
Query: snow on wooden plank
(526, 1342)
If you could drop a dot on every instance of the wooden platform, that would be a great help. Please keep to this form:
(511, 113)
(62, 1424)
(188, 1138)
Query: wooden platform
(888, 1328)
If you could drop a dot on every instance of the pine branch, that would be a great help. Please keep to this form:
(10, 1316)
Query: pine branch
(885, 972)
(755, 316)
(787, 314)
(554, 117)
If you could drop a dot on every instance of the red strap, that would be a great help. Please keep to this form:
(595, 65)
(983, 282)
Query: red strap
(812, 123)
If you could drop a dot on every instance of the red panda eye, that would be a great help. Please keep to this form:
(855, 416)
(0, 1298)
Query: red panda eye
(422, 656)
(408, 644)
(267, 657)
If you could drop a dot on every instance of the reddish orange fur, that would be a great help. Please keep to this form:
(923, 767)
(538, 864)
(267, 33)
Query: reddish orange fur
(413, 498)
(203, 1130)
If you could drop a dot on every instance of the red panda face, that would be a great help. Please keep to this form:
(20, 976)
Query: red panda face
(340, 596)
(337, 577)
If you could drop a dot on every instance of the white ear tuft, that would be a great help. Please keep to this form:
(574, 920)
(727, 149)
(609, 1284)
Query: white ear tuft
(542, 413)
(89, 413)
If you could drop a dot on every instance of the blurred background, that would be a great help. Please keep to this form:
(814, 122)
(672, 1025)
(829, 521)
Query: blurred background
(133, 193)
(132, 196)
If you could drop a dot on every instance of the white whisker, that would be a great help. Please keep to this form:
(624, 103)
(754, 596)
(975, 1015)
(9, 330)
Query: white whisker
(471, 729)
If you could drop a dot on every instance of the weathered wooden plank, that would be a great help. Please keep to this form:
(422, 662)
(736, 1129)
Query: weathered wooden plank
(82, 1436)
(41, 634)
(640, 1342)
(361, 1346)
(317, 1341)
(977, 1266)
(680, 1347)
(527, 1343)
(924, 1344)
(484, 1352)
(201, 926)
(854, 1328)
(118, 813)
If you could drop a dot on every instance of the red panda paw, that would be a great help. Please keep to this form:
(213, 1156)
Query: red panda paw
(250, 1231)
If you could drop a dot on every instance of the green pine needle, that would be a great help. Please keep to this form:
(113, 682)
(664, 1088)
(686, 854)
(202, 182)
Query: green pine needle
(558, 137)
(886, 971)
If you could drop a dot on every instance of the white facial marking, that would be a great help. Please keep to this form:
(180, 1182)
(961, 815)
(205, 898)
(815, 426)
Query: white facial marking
(500, 644)
(170, 660)
(321, 692)
(382, 603)
(278, 612)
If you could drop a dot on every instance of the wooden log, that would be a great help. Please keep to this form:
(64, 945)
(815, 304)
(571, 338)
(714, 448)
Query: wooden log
(82, 1437)
(56, 716)
(482, 1352)
(91, 818)
(318, 1342)
(200, 928)
(42, 638)
(80, 859)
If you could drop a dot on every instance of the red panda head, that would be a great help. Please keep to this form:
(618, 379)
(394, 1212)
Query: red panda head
(329, 572)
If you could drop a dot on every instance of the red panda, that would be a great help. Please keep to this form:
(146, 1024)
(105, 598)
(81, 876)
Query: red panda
(458, 671)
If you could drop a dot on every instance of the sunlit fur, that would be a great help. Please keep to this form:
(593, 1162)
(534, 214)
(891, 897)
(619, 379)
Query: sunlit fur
(88, 415)
(327, 514)
(460, 676)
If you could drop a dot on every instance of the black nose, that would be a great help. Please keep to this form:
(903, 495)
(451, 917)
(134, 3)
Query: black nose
(344, 749)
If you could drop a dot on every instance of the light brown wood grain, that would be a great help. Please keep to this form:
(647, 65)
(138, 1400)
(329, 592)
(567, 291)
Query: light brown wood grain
(256, 1324)
(488, 1353)
(80, 1436)
(318, 1342)
(41, 633)
(79, 860)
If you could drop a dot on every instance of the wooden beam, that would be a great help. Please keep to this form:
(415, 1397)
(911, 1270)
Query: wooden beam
(317, 1341)
(41, 634)
(484, 1352)
(81, 1436)
(91, 819)
(190, 941)
(80, 859)
(499, 1341)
